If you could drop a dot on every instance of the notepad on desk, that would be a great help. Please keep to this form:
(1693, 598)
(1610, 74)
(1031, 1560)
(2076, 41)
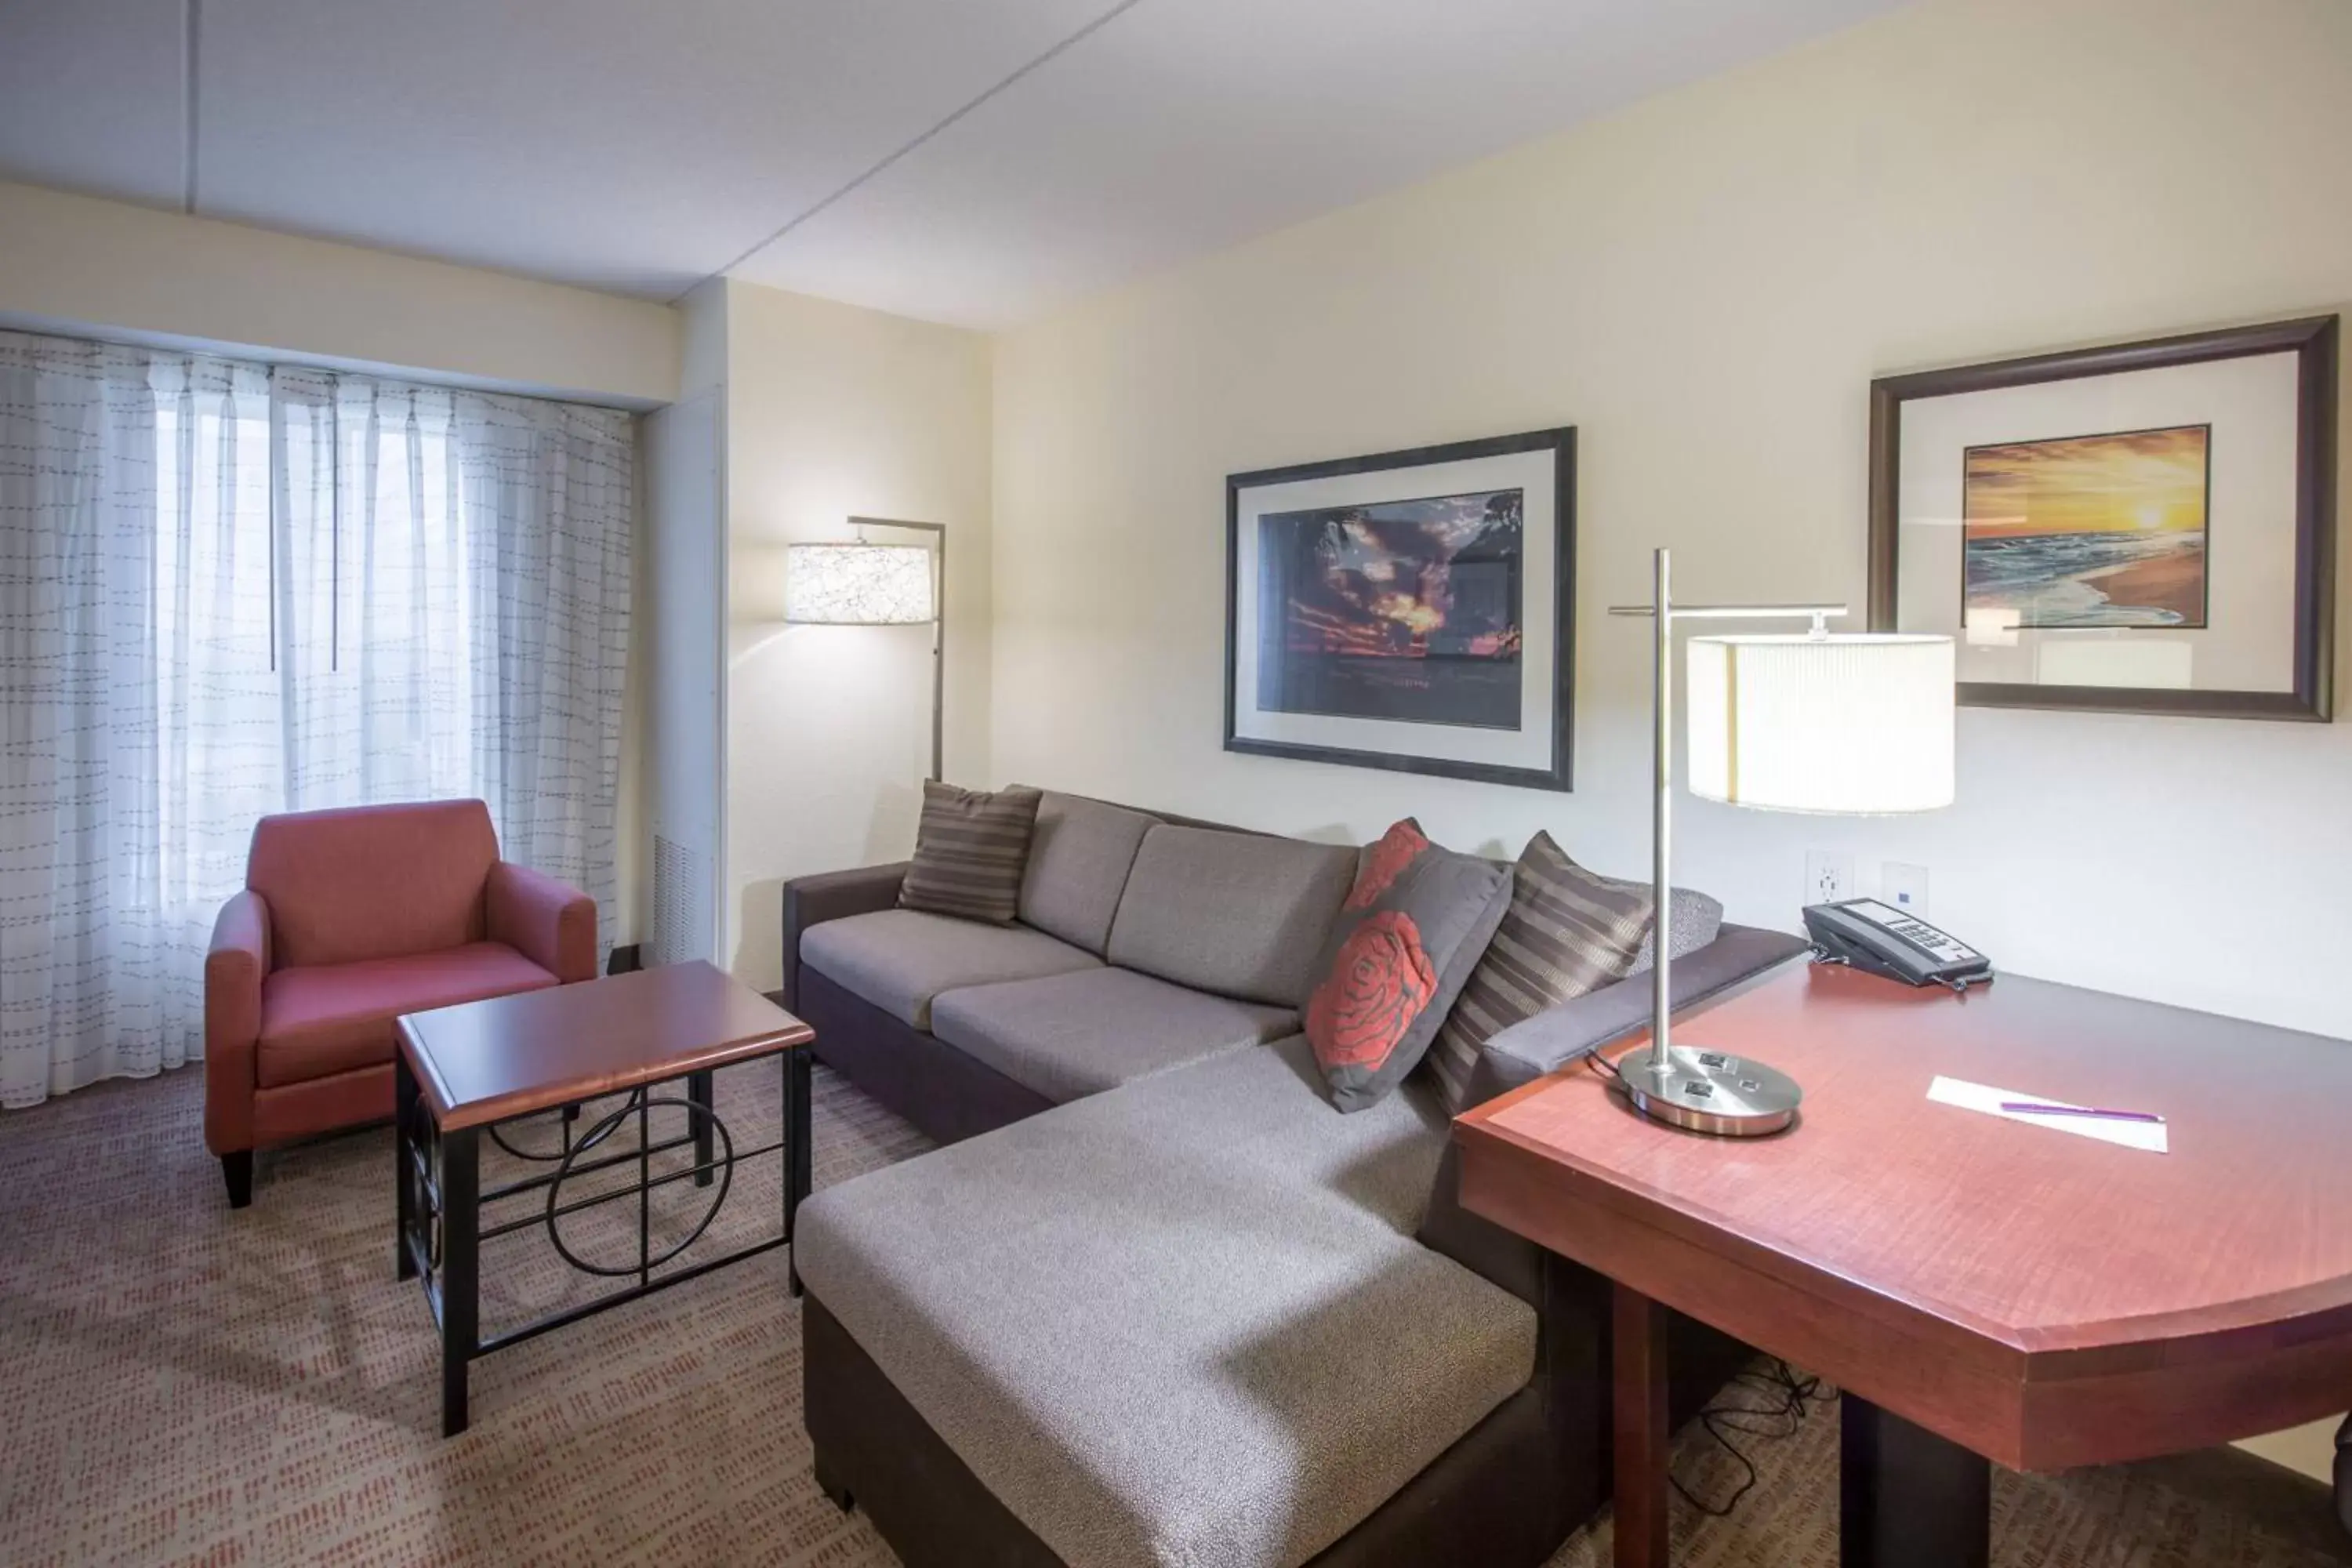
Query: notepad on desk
(2147, 1134)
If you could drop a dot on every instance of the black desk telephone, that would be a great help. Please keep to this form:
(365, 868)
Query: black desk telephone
(1884, 940)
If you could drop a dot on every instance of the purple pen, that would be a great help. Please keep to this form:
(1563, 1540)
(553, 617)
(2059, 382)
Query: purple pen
(2033, 1108)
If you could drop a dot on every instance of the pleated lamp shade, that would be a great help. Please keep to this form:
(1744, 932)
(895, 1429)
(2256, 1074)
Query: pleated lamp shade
(1853, 725)
(859, 585)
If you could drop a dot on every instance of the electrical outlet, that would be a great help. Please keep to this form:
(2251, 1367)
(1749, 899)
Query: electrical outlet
(1904, 887)
(1829, 876)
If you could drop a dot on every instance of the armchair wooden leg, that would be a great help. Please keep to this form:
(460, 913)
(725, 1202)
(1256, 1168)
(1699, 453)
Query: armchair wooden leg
(236, 1170)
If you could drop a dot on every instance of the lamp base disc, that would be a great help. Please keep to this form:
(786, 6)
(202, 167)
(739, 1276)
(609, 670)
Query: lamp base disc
(1700, 1090)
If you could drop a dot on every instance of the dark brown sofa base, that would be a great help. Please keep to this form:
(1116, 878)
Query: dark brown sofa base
(947, 1094)
(1508, 1493)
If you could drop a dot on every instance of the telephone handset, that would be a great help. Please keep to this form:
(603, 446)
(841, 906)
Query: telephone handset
(1884, 940)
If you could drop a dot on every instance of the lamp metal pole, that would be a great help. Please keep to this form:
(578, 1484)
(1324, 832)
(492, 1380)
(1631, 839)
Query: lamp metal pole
(938, 627)
(1716, 1093)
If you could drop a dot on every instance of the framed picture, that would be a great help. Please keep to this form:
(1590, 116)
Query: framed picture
(2146, 528)
(1411, 610)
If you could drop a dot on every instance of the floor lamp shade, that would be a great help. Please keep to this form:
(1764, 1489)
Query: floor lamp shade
(1853, 725)
(859, 585)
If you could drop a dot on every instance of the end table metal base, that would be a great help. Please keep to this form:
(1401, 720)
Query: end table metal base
(440, 1205)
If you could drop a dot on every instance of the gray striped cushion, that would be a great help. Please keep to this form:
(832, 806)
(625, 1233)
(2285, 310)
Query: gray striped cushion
(970, 850)
(1566, 933)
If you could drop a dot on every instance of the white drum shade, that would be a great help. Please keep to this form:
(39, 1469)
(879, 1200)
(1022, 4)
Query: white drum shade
(859, 585)
(1853, 725)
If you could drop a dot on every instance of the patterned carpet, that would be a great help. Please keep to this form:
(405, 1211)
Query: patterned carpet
(182, 1386)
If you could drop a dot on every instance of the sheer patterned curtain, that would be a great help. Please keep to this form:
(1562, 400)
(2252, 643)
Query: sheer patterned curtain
(226, 591)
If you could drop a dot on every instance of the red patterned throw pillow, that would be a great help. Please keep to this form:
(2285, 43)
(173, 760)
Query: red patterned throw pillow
(1380, 982)
(1383, 861)
(1408, 935)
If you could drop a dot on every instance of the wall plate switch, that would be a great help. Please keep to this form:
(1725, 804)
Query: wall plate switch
(1904, 887)
(1829, 876)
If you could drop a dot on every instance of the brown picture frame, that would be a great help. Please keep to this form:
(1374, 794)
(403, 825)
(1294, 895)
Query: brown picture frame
(2313, 340)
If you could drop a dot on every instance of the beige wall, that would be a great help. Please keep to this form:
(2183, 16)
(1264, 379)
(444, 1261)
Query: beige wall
(70, 262)
(835, 412)
(1705, 286)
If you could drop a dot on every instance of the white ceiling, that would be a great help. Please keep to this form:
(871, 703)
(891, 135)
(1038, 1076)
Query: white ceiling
(971, 161)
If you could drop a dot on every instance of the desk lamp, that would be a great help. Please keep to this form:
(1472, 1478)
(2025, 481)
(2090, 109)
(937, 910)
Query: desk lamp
(1843, 725)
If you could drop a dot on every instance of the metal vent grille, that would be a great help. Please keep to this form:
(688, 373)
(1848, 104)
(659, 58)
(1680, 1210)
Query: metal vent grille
(681, 903)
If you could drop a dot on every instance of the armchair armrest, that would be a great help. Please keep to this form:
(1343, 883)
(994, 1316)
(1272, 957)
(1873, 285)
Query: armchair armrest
(833, 896)
(551, 923)
(234, 966)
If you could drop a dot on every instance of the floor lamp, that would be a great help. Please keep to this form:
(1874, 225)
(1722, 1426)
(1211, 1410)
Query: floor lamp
(861, 583)
(1854, 724)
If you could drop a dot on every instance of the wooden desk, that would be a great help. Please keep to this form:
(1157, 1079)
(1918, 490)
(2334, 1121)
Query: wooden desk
(1981, 1289)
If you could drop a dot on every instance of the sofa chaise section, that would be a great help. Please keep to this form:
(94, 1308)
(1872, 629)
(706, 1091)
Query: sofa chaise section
(1187, 1322)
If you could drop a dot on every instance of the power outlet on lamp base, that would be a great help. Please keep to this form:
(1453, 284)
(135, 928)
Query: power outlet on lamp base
(1828, 877)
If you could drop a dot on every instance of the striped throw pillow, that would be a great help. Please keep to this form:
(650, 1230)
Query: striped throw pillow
(970, 848)
(1566, 933)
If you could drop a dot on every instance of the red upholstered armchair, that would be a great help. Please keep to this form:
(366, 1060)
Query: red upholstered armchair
(348, 920)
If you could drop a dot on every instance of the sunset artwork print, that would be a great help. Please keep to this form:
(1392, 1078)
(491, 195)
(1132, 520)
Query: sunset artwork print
(2088, 530)
(1404, 610)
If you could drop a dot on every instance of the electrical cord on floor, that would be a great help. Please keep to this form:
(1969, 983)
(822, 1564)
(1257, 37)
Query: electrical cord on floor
(1789, 1398)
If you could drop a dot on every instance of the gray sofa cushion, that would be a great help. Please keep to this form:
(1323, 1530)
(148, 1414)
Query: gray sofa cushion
(1078, 861)
(1182, 1323)
(899, 959)
(1235, 913)
(1693, 920)
(1073, 1035)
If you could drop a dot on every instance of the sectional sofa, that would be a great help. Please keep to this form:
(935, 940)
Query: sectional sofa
(1158, 1301)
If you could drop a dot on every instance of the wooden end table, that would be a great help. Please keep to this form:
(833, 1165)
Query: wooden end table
(461, 1071)
(1979, 1288)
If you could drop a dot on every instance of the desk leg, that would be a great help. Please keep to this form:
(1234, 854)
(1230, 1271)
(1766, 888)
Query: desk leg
(1638, 1361)
(1906, 1497)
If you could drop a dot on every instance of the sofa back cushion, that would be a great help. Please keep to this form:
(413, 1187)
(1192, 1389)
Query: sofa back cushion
(372, 881)
(1236, 913)
(1079, 857)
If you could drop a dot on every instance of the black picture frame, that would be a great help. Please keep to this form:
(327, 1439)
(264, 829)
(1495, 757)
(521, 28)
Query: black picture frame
(2313, 340)
(1560, 442)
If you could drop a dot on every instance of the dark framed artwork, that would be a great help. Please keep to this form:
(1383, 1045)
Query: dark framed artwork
(2143, 528)
(1409, 610)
